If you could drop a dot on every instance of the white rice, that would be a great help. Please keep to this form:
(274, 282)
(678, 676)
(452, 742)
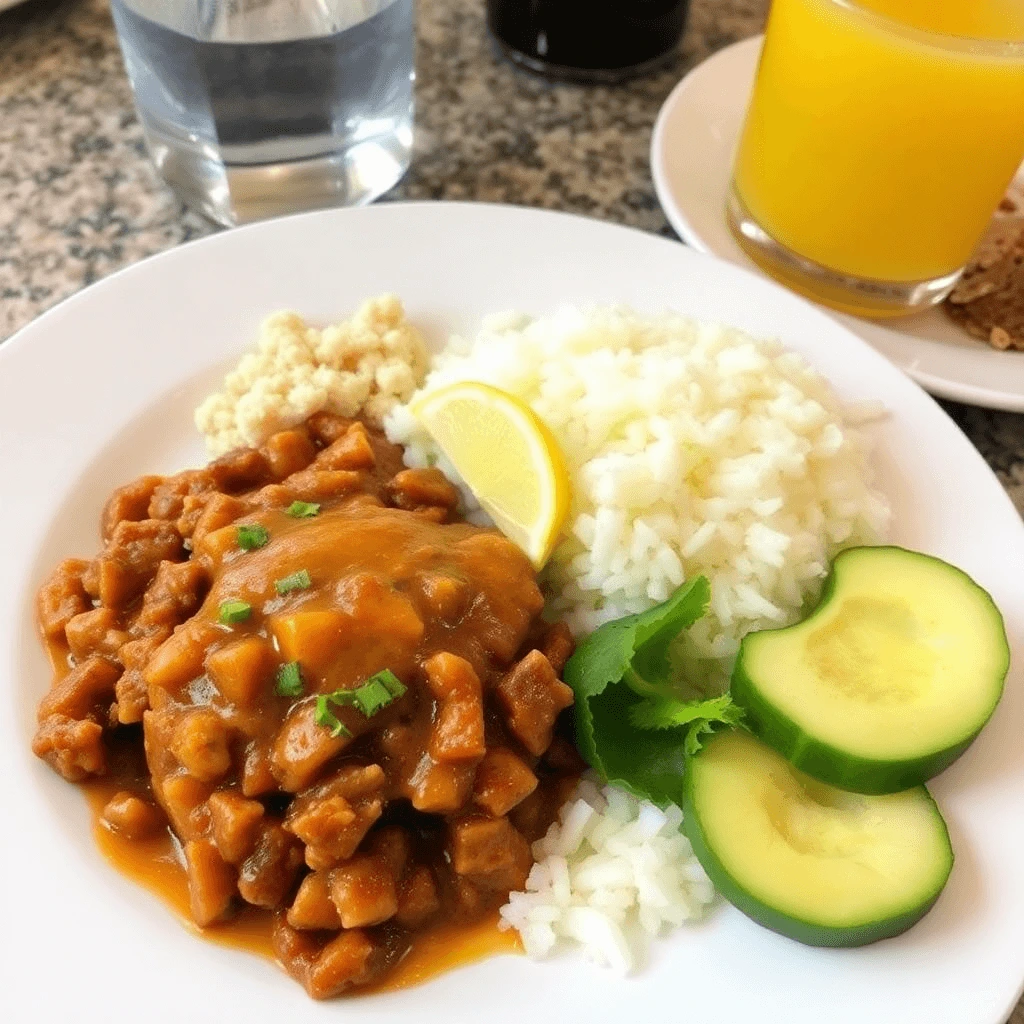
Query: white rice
(693, 449)
(611, 874)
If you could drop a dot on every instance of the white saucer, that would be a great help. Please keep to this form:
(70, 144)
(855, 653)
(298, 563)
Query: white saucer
(691, 159)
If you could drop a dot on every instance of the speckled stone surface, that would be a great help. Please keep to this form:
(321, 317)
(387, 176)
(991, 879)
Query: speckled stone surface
(79, 199)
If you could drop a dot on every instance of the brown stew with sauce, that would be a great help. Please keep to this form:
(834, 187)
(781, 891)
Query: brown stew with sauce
(335, 703)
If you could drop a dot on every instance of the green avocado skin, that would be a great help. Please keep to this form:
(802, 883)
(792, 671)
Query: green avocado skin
(824, 761)
(807, 932)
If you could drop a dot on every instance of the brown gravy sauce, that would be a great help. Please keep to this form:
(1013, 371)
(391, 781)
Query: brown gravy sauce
(154, 864)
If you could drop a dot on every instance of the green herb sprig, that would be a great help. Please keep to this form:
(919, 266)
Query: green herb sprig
(303, 509)
(296, 581)
(231, 613)
(288, 682)
(252, 536)
(376, 693)
(631, 725)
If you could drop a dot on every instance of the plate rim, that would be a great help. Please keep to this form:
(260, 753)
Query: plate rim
(867, 353)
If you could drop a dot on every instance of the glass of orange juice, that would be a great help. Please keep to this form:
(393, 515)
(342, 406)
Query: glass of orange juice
(880, 137)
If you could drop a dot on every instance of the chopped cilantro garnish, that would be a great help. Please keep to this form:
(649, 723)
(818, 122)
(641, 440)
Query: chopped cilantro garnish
(303, 509)
(232, 612)
(297, 581)
(370, 697)
(289, 680)
(252, 536)
(326, 717)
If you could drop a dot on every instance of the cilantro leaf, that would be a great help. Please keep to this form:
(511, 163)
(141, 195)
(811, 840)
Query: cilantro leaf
(634, 651)
(699, 716)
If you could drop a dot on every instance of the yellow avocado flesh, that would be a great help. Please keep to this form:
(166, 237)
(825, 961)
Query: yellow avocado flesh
(907, 656)
(809, 850)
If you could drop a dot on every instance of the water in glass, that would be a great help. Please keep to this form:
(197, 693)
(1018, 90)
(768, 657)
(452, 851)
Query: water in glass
(253, 108)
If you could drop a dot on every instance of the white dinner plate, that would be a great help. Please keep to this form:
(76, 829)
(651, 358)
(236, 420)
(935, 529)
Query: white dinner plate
(102, 388)
(691, 160)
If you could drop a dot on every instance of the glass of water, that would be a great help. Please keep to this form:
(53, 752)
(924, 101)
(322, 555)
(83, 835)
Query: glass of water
(254, 108)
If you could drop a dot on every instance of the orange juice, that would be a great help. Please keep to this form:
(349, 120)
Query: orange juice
(877, 147)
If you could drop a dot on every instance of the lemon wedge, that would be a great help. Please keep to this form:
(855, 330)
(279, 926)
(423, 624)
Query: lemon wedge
(508, 458)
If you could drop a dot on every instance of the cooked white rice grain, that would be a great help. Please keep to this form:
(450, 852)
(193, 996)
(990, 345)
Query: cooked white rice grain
(693, 449)
(611, 873)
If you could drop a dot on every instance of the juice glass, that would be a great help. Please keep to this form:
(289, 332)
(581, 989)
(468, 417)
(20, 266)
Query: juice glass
(880, 137)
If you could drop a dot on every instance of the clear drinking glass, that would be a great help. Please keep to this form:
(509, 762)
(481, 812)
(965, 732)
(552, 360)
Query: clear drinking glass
(254, 108)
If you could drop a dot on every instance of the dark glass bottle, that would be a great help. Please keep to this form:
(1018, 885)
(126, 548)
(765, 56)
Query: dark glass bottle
(587, 40)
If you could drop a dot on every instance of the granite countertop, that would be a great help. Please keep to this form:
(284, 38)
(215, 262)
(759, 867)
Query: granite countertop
(79, 199)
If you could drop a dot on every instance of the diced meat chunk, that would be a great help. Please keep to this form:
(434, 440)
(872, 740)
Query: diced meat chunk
(423, 488)
(363, 889)
(218, 510)
(289, 451)
(239, 470)
(313, 907)
(62, 597)
(131, 690)
(532, 697)
(235, 822)
(437, 787)
(268, 874)
(563, 758)
(418, 898)
(458, 732)
(243, 671)
(130, 560)
(179, 659)
(257, 769)
(490, 852)
(211, 882)
(184, 798)
(393, 846)
(132, 817)
(95, 632)
(201, 744)
(319, 484)
(350, 451)
(326, 428)
(303, 748)
(168, 499)
(533, 816)
(558, 646)
(73, 748)
(502, 781)
(445, 597)
(129, 503)
(351, 959)
(86, 691)
(177, 591)
(333, 818)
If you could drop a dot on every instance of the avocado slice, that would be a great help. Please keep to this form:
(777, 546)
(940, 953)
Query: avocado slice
(818, 864)
(887, 682)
